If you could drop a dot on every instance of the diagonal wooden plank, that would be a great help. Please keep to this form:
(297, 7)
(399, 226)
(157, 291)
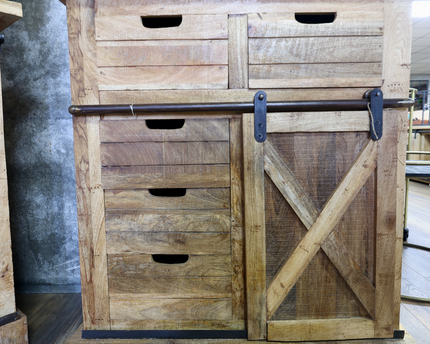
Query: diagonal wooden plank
(333, 211)
(303, 206)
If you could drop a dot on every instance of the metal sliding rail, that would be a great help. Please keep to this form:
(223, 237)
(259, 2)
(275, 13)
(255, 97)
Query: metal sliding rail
(285, 106)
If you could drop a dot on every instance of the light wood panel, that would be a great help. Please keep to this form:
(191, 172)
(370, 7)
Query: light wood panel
(255, 243)
(172, 243)
(223, 96)
(199, 309)
(169, 221)
(315, 50)
(238, 51)
(367, 22)
(10, 12)
(162, 53)
(143, 265)
(327, 329)
(193, 199)
(130, 27)
(237, 219)
(16, 331)
(177, 325)
(192, 130)
(163, 78)
(169, 287)
(315, 75)
(164, 153)
(177, 176)
(175, 7)
(301, 122)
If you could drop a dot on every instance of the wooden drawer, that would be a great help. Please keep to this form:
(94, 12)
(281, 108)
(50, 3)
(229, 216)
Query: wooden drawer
(142, 52)
(286, 50)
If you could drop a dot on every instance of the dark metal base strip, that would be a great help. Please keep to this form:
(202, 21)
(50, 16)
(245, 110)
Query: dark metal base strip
(399, 334)
(7, 319)
(171, 334)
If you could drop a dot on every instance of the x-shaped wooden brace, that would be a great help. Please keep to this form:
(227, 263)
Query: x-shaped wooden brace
(320, 226)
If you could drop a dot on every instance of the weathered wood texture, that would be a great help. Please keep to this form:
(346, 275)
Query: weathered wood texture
(164, 153)
(137, 131)
(15, 332)
(238, 51)
(130, 27)
(176, 324)
(7, 291)
(255, 236)
(185, 309)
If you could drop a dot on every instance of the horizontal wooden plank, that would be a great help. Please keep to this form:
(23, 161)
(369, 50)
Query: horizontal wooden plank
(149, 324)
(193, 199)
(178, 7)
(316, 75)
(168, 221)
(316, 50)
(366, 22)
(164, 153)
(162, 78)
(175, 309)
(324, 329)
(162, 53)
(222, 96)
(143, 265)
(192, 130)
(167, 243)
(130, 27)
(302, 122)
(176, 176)
(169, 287)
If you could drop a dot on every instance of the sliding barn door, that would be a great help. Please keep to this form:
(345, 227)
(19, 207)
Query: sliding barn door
(320, 199)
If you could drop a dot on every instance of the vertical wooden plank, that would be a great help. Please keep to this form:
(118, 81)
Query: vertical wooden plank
(396, 75)
(255, 234)
(90, 202)
(238, 51)
(237, 227)
(7, 292)
(386, 198)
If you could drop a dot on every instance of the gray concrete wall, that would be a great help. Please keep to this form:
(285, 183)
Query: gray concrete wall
(39, 149)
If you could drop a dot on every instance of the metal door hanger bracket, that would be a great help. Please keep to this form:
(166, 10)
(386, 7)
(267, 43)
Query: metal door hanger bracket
(260, 116)
(376, 99)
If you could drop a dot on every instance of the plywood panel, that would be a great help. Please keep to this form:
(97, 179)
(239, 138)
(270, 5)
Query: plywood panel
(169, 287)
(162, 53)
(315, 75)
(168, 221)
(192, 130)
(367, 22)
(130, 27)
(179, 309)
(168, 243)
(177, 176)
(163, 78)
(143, 265)
(315, 50)
(193, 199)
(164, 153)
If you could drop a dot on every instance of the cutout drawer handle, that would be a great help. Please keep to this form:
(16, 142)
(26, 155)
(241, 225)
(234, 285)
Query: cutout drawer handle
(315, 18)
(166, 124)
(160, 22)
(168, 192)
(170, 258)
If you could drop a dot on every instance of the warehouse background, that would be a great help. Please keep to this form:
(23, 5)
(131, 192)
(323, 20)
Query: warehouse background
(39, 149)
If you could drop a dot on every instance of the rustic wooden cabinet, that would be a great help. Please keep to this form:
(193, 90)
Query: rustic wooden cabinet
(186, 222)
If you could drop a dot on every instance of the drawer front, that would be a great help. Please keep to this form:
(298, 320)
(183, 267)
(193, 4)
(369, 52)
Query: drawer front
(161, 130)
(307, 50)
(162, 52)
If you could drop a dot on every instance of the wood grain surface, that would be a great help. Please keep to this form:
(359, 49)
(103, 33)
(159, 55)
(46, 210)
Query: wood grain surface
(192, 130)
(162, 53)
(164, 153)
(237, 51)
(117, 27)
